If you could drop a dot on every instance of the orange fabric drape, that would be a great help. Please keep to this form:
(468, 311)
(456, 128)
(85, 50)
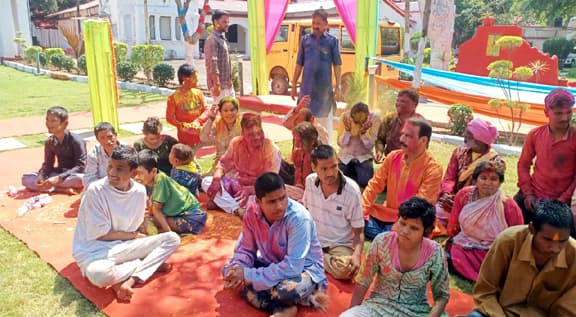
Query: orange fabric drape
(479, 104)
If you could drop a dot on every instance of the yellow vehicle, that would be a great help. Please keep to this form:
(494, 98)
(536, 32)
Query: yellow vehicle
(281, 60)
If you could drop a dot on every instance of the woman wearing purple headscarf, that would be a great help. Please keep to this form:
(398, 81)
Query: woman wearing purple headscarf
(478, 139)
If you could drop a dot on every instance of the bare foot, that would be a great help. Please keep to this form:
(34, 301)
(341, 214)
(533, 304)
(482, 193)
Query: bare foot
(319, 300)
(66, 191)
(164, 267)
(240, 212)
(124, 290)
(288, 312)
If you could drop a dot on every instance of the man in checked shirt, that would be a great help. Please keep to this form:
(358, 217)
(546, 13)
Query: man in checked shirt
(217, 57)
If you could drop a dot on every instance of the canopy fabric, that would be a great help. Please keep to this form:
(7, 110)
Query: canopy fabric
(366, 29)
(257, 31)
(479, 104)
(347, 10)
(274, 11)
(478, 85)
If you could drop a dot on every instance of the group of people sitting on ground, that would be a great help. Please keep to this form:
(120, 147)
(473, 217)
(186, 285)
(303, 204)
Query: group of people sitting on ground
(310, 213)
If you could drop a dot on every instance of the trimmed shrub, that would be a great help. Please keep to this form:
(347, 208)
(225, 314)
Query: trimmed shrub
(81, 65)
(30, 53)
(120, 51)
(43, 59)
(163, 73)
(57, 60)
(68, 63)
(126, 70)
(459, 115)
(146, 56)
(53, 50)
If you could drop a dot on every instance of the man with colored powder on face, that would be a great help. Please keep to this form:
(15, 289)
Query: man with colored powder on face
(277, 262)
(405, 173)
(551, 148)
(530, 270)
(232, 185)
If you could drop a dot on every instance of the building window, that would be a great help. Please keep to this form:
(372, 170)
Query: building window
(282, 35)
(389, 41)
(152, 27)
(127, 28)
(177, 29)
(232, 34)
(165, 29)
(334, 30)
(346, 41)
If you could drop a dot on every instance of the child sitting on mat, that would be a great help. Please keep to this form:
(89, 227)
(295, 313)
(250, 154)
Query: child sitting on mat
(185, 169)
(174, 208)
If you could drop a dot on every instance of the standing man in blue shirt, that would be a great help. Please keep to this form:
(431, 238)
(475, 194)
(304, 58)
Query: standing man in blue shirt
(277, 263)
(319, 52)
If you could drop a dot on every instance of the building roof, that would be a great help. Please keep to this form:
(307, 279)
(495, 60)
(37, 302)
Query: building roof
(86, 9)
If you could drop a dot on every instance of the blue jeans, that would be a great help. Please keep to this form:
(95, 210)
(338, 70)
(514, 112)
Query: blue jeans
(287, 293)
(476, 313)
(192, 221)
(361, 172)
(373, 227)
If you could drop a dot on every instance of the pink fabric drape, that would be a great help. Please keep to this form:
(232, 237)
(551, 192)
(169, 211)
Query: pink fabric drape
(274, 15)
(347, 11)
(276, 9)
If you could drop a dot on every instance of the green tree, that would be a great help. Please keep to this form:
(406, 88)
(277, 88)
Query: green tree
(505, 73)
(47, 6)
(547, 10)
(559, 46)
(467, 19)
(469, 14)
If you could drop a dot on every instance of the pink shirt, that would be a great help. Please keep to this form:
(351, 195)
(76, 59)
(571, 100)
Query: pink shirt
(240, 161)
(554, 175)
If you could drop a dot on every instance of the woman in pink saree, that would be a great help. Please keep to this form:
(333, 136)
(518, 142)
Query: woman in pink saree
(479, 214)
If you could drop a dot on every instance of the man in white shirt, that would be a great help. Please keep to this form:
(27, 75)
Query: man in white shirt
(335, 203)
(107, 245)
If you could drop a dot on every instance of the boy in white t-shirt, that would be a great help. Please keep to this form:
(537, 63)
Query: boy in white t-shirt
(107, 246)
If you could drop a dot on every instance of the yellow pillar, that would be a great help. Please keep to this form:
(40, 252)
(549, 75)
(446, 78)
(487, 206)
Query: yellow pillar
(101, 69)
(257, 31)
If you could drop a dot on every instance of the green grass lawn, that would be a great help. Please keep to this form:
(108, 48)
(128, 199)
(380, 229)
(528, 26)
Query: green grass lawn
(30, 287)
(24, 94)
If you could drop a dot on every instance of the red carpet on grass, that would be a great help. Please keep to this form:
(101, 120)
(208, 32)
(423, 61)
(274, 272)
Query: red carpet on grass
(194, 287)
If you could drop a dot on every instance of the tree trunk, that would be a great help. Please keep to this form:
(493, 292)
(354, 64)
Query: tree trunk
(406, 29)
(440, 33)
(146, 22)
(422, 45)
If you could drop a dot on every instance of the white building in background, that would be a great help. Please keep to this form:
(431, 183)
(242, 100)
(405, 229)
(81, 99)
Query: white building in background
(14, 18)
(128, 24)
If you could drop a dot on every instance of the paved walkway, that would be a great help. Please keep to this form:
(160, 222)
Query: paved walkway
(131, 119)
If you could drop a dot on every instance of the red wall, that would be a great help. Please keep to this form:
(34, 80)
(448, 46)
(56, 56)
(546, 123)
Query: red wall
(473, 59)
